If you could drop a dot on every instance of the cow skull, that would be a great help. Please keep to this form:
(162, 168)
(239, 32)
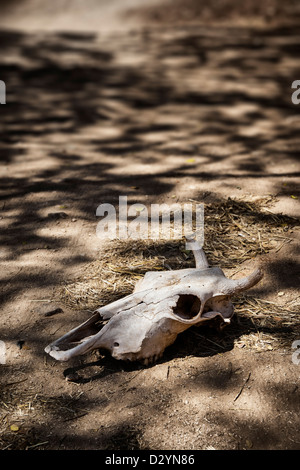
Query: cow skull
(141, 325)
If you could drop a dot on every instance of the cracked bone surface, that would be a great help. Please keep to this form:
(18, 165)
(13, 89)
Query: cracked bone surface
(141, 325)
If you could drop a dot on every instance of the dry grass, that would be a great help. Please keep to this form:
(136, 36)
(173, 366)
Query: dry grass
(245, 230)
(268, 325)
(235, 231)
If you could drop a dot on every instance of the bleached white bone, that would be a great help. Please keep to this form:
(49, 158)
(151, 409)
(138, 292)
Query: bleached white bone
(163, 304)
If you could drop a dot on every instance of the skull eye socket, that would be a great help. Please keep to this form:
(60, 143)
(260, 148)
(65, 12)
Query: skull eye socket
(187, 307)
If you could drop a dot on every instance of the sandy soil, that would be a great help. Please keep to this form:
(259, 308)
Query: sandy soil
(159, 112)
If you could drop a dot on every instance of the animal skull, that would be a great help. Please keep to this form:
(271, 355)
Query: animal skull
(163, 304)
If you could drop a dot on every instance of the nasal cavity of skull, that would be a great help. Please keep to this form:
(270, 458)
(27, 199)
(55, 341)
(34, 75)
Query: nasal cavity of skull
(187, 307)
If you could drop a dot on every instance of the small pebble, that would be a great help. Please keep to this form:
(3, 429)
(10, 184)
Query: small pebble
(72, 377)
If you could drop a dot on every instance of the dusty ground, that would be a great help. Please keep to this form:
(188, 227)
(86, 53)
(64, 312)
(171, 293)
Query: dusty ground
(160, 112)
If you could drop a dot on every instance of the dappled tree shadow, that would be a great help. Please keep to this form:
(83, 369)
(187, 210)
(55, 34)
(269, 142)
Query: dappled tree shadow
(201, 341)
(85, 123)
(67, 85)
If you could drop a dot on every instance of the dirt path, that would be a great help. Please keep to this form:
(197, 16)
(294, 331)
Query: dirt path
(160, 114)
(102, 16)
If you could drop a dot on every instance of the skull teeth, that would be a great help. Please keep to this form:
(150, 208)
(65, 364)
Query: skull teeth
(151, 359)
